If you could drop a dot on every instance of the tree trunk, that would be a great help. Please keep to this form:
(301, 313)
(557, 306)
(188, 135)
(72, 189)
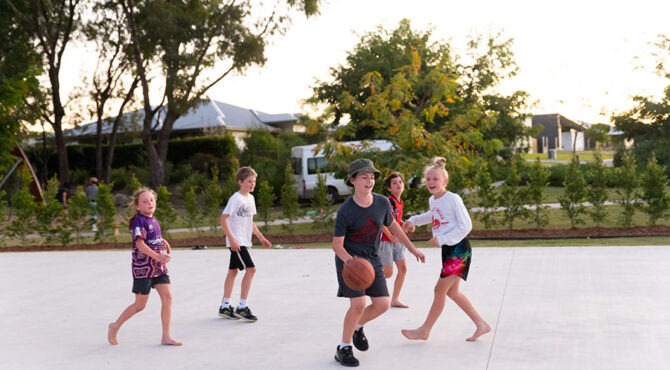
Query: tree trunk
(59, 113)
(98, 146)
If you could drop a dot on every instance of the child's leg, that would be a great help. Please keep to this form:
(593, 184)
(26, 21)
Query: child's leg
(464, 303)
(441, 288)
(166, 313)
(378, 306)
(230, 282)
(246, 281)
(388, 271)
(140, 303)
(397, 285)
(352, 317)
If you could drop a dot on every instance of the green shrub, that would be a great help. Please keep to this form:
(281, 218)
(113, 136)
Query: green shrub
(191, 205)
(23, 203)
(50, 214)
(289, 199)
(597, 194)
(485, 196)
(212, 197)
(106, 213)
(627, 183)
(266, 199)
(323, 214)
(537, 184)
(655, 199)
(574, 193)
(512, 198)
(165, 212)
(79, 213)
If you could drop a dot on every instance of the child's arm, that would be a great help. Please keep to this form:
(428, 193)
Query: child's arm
(463, 224)
(397, 230)
(167, 246)
(226, 229)
(144, 248)
(418, 220)
(266, 243)
(392, 238)
(338, 247)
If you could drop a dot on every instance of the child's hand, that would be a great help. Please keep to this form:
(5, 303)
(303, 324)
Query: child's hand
(394, 239)
(163, 258)
(234, 246)
(433, 242)
(419, 256)
(408, 226)
(266, 243)
(167, 246)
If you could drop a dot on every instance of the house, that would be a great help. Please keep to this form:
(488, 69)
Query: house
(560, 133)
(206, 119)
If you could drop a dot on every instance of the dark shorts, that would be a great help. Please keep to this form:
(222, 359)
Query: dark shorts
(240, 260)
(456, 259)
(377, 289)
(143, 285)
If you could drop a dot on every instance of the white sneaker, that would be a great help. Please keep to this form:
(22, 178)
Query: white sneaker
(94, 228)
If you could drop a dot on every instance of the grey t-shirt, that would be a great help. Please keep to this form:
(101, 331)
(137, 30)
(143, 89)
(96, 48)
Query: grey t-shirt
(91, 192)
(362, 227)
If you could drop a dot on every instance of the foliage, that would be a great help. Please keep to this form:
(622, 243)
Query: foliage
(323, 214)
(3, 209)
(80, 210)
(266, 199)
(262, 154)
(628, 184)
(135, 184)
(165, 212)
(23, 204)
(486, 196)
(537, 184)
(192, 216)
(512, 197)
(597, 194)
(50, 214)
(289, 199)
(212, 198)
(575, 191)
(655, 199)
(599, 133)
(106, 213)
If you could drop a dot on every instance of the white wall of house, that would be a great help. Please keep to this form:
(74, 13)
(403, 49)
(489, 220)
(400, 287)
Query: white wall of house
(568, 139)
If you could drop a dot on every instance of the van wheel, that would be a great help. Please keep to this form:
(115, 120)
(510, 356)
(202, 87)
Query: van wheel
(331, 195)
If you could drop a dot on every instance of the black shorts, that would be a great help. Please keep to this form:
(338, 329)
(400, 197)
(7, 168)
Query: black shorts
(456, 259)
(240, 260)
(143, 285)
(377, 289)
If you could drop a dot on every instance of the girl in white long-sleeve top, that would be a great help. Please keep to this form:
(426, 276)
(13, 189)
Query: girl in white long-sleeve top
(451, 226)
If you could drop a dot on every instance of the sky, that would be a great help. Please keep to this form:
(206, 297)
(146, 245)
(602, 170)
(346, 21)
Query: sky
(584, 59)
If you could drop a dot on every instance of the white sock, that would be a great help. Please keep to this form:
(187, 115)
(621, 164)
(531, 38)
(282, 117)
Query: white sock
(243, 303)
(358, 326)
(225, 302)
(342, 345)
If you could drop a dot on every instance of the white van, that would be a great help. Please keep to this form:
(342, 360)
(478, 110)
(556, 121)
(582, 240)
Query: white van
(305, 163)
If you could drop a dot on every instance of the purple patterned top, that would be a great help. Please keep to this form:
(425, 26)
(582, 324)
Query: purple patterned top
(143, 266)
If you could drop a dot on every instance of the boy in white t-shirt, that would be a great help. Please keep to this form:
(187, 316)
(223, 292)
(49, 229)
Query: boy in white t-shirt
(238, 224)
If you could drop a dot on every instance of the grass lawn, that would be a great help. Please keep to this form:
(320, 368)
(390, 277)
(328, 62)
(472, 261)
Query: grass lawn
(566, 155)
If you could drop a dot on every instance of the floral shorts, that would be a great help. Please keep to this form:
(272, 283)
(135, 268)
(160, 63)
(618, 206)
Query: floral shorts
(456, 259)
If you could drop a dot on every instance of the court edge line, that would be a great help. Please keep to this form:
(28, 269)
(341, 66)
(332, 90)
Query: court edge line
(502, 301)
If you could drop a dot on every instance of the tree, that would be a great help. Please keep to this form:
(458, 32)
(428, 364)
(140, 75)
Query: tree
(23, 203)
(80, 210)
(52, 24)
(486, 196)
(212, 198)
(512, 197)
(323, 214)
(597, 194)
(627, 183)
(186, 40)
(3, 208)
(266, 199)
(537, 184)
(106, 213)
(574, 192)
(50, 214)
(191, 205)
(599, 133)
(289, 199)
(655, 198)
(165, 212)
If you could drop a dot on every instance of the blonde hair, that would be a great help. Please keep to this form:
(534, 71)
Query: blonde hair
(245, 172)
(438, 164)
(132, 205)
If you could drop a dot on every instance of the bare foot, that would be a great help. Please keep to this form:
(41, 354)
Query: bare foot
(170, 342)
(399, 304)
(111, 333)
(415, 334)
(482, 329)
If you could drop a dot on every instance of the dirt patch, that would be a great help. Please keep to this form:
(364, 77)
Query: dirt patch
(587, 232)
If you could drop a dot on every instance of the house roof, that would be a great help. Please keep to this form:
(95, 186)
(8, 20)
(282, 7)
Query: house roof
(555, 119)
(209, 114)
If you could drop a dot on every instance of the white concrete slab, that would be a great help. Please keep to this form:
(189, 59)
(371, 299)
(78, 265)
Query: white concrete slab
(551, 308)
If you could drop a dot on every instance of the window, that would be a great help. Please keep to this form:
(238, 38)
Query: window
(319, 163)
(296, 163)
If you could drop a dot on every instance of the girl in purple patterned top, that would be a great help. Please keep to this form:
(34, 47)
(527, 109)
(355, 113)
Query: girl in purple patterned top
(148, 265)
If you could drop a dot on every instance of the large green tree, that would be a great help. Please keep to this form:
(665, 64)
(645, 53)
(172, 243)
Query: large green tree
(195, 45)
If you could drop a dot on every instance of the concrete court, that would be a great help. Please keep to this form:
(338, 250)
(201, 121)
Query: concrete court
(551, 308)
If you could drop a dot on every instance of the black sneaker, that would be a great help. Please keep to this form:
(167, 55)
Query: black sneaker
(345, 356)
(360, 341)
(245, 314)
(227, 312)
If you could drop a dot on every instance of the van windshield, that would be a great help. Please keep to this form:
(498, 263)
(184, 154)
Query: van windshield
(318, 163)
(297, 166)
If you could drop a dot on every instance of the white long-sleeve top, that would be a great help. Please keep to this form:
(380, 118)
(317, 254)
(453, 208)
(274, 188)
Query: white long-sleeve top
(450, 219)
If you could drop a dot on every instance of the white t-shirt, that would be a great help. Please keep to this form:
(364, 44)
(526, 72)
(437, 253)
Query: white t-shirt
(450, 219)
(241, 210)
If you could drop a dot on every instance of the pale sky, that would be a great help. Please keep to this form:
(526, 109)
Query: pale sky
(582, 59)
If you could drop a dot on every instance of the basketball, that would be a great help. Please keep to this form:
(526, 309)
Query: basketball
(358, 274)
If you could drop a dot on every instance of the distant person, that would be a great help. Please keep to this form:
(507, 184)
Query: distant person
(237, 221)
(148, 265)
(62, 194)
(451, 226)
(91, 191)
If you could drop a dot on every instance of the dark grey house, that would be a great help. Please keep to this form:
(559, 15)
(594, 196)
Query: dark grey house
(559, 133)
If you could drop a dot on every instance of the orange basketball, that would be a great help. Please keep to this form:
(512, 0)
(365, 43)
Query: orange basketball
(358, 274)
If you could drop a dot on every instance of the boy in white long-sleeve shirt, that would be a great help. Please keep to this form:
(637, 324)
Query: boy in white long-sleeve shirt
(451, 225)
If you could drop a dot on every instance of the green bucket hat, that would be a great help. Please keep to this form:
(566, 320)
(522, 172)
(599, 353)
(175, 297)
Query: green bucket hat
(361, 164)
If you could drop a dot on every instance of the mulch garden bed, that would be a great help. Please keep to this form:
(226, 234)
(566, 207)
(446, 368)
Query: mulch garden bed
(297, 239)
